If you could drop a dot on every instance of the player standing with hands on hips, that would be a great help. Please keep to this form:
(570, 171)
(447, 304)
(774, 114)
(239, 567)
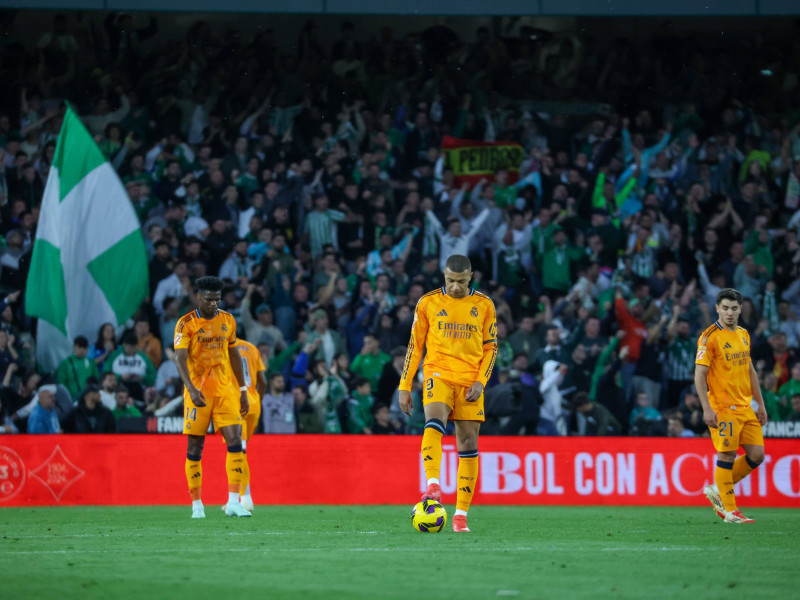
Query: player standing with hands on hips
(458, 328)
(726, 385)
(211, 369)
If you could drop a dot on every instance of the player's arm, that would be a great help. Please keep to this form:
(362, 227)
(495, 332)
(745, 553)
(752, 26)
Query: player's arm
(238, 370)
(755, 388)
(181, 362)
(489, 355)
(700, 382)
(419, 332)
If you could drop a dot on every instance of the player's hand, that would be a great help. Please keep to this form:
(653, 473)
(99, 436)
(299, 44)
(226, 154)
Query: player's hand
(244, 404)
(474, 392)
(197, 397)
(404, 398)
(761, 415)
(710, 418)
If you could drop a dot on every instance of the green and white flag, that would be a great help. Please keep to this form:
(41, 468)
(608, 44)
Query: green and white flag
(89, 264)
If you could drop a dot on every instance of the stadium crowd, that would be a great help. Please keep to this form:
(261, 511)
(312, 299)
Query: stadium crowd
(311, 179)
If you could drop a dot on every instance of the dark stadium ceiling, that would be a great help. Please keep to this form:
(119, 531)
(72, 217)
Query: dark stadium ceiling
(605, 8)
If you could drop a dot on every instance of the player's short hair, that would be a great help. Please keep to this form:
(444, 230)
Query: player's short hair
(458, 263)
(81, 342)
(208, 284)
(129, 339)
(730, 294)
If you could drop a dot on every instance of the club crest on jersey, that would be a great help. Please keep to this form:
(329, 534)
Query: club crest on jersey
(744, 341)
(224, 327)
(474, 311)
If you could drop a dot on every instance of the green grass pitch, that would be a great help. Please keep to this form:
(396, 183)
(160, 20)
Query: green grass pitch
(326, 552)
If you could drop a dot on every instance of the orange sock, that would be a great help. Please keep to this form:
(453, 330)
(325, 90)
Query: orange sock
(194, 475)
(467, 478)
(432, 447)
(742, 467)
(235, 467)
(245, 474)
(723, 477)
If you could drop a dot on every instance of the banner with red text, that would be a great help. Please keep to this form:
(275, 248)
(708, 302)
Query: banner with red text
(472, 160)
(341, 469)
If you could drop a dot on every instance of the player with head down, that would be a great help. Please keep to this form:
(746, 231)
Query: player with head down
(458, 328)
(210, 366)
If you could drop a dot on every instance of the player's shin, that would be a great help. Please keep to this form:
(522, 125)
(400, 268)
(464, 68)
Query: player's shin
(723, 477)
(467, 480)
(234, 464)
(742, 467)
(432, 449)
(194, 476)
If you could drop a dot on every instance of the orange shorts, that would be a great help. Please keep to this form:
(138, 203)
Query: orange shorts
(736, 427)
(454, 395)
(220, 411)
(251, 420)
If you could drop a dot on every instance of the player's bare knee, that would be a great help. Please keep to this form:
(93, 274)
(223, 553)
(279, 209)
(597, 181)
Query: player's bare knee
(726, 456)
(755, 456)
(195, 444)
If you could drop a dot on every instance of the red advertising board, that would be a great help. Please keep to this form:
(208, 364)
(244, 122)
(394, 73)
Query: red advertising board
(320, 469)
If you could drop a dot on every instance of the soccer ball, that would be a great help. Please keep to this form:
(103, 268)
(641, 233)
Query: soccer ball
(428, 516)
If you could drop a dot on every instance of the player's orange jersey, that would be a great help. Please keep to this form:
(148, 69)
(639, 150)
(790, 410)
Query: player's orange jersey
(208, 341)
(727, 356)
(251, 365)
(459, 336)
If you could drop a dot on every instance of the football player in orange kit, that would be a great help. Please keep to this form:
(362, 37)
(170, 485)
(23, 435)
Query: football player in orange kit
(726, 385)
(210, 367)
(458, 328)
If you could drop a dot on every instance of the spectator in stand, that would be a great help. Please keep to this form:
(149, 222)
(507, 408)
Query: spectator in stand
(359, 407)
(382, 422)
(552, 415)
(90, 416)
(277, 407)
(629, 316)
(331, 343)
(75, 371)
(124, 404)
(105, 344)
(306, 416)
(794, 403)
(146, 342)
(593, 418)
(369, 363)
(675, 427)
(261, 329)
(644, 419)
(108, 388)
(132, 367)
(44, 419)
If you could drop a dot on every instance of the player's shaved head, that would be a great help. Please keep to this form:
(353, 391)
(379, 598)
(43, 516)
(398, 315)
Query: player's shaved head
(458, 263)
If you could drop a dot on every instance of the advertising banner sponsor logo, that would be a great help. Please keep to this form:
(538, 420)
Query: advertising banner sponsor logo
(342, 469)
